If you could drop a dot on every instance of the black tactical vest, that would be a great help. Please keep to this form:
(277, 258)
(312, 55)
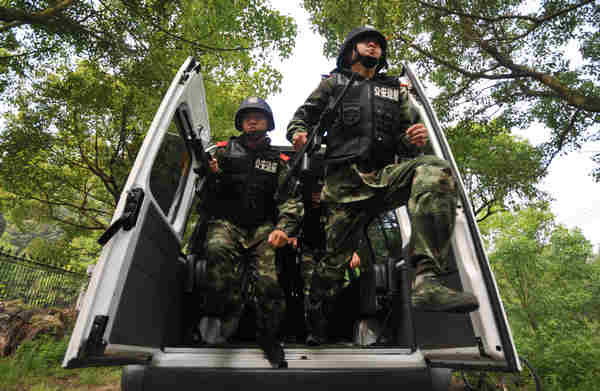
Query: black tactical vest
(370, 123)
(247, 185)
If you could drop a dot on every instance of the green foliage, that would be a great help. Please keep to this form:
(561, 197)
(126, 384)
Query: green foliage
(509, 59)
(45, 387)
(36, 366)
(550, 289)
(112, 32)
(499, 170)
(42, 353)
(88, 79)
(30, 232)
(71, 143)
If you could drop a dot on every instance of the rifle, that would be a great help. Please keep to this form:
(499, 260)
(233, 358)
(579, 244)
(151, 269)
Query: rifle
(203, 157)
(200, 153)
(291, 182)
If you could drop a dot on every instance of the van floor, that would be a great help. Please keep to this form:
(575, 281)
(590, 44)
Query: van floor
(287, 345)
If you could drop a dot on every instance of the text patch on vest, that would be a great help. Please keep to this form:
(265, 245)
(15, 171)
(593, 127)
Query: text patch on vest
(266, 165)
(387, 93)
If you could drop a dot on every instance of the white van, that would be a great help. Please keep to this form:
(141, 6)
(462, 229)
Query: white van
(140, 302)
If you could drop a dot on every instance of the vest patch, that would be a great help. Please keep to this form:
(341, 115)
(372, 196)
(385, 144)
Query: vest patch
(387, 93)
(266, 165)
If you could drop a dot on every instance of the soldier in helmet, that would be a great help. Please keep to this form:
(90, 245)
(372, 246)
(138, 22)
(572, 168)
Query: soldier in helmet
(243, 211)
(376, 160)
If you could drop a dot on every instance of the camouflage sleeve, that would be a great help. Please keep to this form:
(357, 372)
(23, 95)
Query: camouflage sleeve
(426, 149)
(413, 116)
(309, 113)
(291, 210)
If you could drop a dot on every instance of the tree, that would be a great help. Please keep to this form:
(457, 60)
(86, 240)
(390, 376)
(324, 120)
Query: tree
(2, 225)
(71, 142)
(46, 33)
(29, 232)
(550, 290)
(505, 59)
(73, 130)
(499, 170)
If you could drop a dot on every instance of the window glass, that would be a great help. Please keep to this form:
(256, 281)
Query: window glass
(170, 172)
(386, 237)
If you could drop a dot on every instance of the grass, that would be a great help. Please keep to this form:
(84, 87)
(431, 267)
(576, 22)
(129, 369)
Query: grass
(35, 366)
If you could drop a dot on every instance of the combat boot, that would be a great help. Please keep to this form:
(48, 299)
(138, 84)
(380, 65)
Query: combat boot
(429, 295)
(273, 350)
(314, 339)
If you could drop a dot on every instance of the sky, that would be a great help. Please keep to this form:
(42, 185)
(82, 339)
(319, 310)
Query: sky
(576, 196)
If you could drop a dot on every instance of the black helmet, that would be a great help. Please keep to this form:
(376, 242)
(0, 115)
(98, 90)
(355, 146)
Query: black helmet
(350, 44)
(254, 103)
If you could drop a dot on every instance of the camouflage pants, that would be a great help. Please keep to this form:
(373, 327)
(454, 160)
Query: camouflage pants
(425, 185)
(226, 247)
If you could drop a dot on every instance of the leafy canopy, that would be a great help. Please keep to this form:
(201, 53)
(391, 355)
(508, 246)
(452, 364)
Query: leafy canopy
(550, 287)
(114, 33)
(505, 59)
(499, 170)
(86, 78)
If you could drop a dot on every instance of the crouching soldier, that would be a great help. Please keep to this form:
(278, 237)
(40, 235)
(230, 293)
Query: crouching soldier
(375, 124)
(248, 171)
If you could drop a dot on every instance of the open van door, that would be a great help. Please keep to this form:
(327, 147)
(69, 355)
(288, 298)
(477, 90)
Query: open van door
(481, 339)
(132, 307)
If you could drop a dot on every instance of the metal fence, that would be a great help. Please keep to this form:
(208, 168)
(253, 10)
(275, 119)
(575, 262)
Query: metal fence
(39, 283)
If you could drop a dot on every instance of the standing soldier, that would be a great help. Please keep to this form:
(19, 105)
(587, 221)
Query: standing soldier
(374, 125)
(243, 210)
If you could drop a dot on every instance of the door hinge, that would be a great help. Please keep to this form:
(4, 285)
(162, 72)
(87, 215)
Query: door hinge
(481, 347)
(95, 345)
(192, 66)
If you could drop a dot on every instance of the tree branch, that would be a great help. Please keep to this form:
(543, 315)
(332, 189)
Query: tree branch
(588, 103)
(108, 181)
(561, 139)
(535, 20)
(454, 67)
(68, 205)
(196, 44)
(15, 17)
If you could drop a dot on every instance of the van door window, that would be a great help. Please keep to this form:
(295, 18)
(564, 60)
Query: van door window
(385, 237)
(170, 172)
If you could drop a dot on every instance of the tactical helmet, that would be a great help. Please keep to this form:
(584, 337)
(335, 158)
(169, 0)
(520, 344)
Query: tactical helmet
(350, 44)
(254, 103)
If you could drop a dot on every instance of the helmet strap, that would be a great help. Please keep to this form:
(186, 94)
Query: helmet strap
(256, 140)
(366, 61)
(369, 62)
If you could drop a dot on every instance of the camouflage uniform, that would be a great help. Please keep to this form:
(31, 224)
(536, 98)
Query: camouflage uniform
(227, 242)
(424, 184)
(353, 195)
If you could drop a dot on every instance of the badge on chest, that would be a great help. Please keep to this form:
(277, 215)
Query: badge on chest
(266, 165)
(387, 93)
